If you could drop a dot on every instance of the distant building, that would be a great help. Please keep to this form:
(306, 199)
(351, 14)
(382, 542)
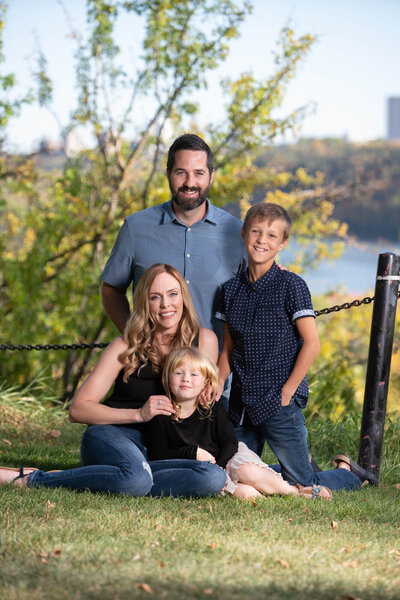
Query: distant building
(393, 131)
(73, 143)
(47, 146)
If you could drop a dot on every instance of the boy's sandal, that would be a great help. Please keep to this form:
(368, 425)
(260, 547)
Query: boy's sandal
(314, 492)
(363, 474)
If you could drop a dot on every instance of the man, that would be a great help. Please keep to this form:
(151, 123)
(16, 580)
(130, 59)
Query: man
(202, 241)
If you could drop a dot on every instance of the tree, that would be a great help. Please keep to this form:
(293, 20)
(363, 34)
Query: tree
(13, 170)
(50, 281)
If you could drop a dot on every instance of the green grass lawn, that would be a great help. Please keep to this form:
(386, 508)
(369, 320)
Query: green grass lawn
(62, 544)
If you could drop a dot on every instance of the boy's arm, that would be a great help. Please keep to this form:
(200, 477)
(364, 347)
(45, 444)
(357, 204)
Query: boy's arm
(307, 328)
(224, 362)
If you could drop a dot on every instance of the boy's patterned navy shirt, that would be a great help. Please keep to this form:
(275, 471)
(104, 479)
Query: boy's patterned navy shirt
(261, 321)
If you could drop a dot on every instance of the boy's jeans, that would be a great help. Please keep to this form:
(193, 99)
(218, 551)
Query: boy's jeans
(286, 435)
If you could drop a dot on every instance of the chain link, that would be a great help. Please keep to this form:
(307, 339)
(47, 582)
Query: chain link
(345, 306)
(83, 346)
(53, 346)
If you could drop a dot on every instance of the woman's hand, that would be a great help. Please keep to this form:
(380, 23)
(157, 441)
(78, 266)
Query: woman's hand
(204, 455)
(156, 405)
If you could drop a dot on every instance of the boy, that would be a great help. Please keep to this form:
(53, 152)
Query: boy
(270, 342)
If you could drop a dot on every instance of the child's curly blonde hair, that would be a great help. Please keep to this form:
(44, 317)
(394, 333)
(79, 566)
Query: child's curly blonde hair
(200, 362)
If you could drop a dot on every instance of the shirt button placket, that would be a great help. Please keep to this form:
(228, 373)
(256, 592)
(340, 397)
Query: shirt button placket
(251, 342)
(188, 247)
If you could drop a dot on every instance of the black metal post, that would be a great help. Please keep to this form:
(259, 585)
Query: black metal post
(379, 359)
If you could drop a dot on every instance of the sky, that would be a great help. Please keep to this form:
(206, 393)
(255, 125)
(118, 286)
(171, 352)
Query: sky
(350, 72)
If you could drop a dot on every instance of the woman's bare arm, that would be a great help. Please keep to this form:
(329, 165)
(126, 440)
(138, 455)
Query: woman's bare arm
(86, 407)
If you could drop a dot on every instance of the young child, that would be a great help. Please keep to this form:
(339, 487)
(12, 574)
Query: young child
(203, 431)
(270, 342)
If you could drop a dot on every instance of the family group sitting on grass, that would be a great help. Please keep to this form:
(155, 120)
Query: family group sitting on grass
(163, 430)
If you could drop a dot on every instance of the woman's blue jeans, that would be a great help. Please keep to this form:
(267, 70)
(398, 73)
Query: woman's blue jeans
(115, 460)
(286, 435)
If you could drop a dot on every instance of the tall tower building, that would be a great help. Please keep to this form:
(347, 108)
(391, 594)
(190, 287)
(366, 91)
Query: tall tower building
(393, 122)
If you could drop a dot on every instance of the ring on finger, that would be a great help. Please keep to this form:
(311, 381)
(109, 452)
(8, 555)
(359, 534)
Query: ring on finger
(159, 401)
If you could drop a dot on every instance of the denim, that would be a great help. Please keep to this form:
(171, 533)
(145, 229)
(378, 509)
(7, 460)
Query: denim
(115, 460)
(224, 399)
(286, 435)
(184, 478)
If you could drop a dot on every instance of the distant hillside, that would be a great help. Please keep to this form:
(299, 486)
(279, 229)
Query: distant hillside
(372, 209)
(49, 161)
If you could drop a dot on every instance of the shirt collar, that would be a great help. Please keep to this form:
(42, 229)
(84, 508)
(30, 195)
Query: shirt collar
(169, 216)
(264, 281)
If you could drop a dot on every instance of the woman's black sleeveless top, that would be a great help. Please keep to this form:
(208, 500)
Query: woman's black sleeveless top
(141, 384)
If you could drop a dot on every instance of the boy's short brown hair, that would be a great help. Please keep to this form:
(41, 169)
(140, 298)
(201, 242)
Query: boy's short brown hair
(267, 211)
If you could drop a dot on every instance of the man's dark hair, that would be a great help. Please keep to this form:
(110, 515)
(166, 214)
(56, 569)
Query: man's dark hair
(189, 141)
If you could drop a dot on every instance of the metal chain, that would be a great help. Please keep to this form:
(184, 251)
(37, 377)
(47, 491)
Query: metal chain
(53, 346)
(83, 346)
(346, 305)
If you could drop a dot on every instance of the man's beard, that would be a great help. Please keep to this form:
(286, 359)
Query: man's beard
(190, 203)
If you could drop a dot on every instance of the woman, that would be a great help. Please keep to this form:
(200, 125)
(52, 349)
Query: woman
(113, 449)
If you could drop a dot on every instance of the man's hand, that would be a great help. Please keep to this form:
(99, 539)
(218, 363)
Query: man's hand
(204, 455)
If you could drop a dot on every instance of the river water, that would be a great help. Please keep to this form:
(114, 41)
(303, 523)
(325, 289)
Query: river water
(354, 272)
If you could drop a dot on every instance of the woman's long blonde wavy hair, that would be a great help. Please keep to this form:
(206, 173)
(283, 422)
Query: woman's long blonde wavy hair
(139, 334)
(200, 362)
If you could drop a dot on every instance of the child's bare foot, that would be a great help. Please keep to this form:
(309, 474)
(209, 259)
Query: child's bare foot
(245, 492)
(16, 476)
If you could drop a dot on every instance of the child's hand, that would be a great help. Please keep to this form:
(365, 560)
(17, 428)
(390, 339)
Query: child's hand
(204, 455)
(281, 267)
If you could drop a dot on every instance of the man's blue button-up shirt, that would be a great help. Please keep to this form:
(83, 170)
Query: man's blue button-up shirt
(207, 253)
(261, 321)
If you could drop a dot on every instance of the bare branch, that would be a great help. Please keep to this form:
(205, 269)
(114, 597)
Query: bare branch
(154, 165)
